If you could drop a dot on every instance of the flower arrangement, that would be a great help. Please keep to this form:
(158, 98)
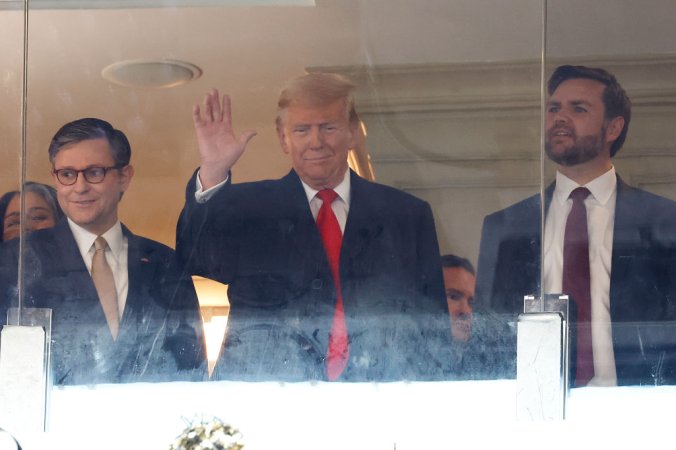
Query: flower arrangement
(208, 434)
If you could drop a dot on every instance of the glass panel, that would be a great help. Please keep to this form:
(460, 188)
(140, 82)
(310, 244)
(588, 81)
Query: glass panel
(631, 239)
(11, 55)
(448, 94)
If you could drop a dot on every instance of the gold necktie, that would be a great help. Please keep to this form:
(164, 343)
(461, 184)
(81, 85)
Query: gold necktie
(102, 275)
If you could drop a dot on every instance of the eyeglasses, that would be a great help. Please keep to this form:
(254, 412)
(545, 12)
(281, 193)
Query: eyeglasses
(92, 175)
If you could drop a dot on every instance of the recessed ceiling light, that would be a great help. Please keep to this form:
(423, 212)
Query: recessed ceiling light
(143, 73)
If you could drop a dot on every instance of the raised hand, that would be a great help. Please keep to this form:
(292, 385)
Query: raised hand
(218, 146)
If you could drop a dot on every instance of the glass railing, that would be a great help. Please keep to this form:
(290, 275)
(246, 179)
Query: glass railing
(453, 112)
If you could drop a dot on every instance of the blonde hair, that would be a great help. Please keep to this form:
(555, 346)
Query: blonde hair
(317, 89)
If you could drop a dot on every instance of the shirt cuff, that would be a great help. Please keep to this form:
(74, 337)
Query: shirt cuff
(202, 196)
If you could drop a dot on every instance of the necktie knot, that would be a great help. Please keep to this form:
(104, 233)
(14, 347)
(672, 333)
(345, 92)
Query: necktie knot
(579, 194)
(100, 243)
(327, 195)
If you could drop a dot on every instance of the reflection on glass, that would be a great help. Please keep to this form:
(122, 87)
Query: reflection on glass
(215, 309)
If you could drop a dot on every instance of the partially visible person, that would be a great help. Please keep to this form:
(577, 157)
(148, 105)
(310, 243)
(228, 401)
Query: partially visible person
(477, 349)
(41, 206)
(459, 282)
(121, 309)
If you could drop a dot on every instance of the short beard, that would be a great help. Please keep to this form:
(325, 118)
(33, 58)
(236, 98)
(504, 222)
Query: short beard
(583, 149)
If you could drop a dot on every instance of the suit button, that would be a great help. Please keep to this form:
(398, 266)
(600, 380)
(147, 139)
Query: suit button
(317, 283)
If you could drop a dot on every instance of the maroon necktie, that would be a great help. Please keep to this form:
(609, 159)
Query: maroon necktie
(576, 282)
(332, 238)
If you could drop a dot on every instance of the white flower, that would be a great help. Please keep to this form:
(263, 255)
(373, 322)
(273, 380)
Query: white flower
(203, 434)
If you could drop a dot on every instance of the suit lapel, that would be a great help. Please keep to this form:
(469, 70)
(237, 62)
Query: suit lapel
(64, 262)
(549, 194)
(307, 257)
(361, 230)
(529, 230)
(627, 242)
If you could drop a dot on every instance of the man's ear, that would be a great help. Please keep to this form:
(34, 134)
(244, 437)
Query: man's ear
(126, 174)
(614, 128)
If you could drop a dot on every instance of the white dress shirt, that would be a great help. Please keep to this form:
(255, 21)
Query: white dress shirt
(202, 196)
(600, 207)
(116, 256)
(340, 206)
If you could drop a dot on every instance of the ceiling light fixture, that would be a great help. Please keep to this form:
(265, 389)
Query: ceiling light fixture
(143, 73)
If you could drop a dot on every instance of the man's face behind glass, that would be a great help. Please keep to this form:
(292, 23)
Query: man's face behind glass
(575, 122)
(318, 138)
(93, 206)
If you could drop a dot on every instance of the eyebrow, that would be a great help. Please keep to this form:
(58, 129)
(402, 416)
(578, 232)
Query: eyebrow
(572, 102)
(39, 208)
(90, 166)
(33, 209)
(454, 291)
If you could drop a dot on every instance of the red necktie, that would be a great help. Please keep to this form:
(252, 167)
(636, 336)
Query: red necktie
(576, 282)
(332, 238)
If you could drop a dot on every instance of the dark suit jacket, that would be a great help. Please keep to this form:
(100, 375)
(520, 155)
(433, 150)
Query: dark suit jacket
(642, 280)
(262, 240)
(160, 330)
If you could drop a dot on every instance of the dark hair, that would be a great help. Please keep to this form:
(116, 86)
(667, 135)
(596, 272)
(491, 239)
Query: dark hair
(91, 128)
(4, 203)
(451, 261)
(48, 193)
(615, 99)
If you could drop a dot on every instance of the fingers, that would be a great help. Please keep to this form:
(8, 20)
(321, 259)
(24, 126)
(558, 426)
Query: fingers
(246, 136)
(212, 110)
(217, 112)
(226, 112)
(196, 117)
(209, 106)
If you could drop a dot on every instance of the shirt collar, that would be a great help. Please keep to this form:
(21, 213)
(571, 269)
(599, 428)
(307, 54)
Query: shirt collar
(85, 239)
(343, 189)
(601, 187)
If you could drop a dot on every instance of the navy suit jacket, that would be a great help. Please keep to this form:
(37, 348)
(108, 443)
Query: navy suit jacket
(261, 239)
(642, 279)
(160, 335)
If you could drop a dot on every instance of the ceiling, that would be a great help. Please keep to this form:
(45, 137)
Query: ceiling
(250, 52)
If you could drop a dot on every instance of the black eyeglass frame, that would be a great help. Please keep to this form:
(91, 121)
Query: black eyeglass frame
(84, 173)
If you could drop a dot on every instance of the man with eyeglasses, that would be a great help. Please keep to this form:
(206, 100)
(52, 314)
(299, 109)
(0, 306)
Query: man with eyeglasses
(122, 311)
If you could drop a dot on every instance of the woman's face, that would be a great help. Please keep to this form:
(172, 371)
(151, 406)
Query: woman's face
(38, 216)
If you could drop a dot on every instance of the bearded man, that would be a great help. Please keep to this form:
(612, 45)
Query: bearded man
(619, 271)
